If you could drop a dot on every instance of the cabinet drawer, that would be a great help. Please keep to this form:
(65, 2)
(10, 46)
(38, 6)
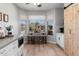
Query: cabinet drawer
(10, 49)
(3, 50)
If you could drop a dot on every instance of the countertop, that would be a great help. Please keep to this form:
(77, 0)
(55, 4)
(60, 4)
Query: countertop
(60, 33)
(36, 35)
(7, 40)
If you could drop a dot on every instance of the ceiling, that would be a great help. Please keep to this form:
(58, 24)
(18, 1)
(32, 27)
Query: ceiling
(45, 6)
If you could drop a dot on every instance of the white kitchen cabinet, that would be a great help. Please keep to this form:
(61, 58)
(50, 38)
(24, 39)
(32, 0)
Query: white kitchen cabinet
(10, 50)
(51, 39)
(20, 50)
(60, 39)
(3, 51)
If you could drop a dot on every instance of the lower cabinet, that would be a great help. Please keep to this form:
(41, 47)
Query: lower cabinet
(20, 51)
(60, 39)
(10, 50)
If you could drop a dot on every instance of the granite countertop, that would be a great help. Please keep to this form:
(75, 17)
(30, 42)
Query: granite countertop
(7, 40)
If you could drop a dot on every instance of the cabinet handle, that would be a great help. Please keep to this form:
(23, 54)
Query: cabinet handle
(59, 38)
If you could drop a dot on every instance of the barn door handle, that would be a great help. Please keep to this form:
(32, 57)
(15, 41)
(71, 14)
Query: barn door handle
(78, 47)
(70, 31)
(78, 10)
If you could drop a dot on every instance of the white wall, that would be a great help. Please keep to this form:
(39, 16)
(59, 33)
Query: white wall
(59, 17)
(51, 16)
(24, 14)
(12, 12)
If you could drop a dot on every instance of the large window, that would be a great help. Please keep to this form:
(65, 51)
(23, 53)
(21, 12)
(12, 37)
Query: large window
(37, 24)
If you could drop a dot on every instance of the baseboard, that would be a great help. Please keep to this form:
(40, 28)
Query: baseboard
(51, 42)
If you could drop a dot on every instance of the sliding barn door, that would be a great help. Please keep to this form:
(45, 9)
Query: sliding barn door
(71, 27)
(68, 30)
(76, 30)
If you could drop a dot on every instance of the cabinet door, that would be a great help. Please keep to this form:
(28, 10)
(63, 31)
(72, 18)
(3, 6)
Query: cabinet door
(10, 50)
(68, 29)
(76, 30)
(57, 38)
(62, 40)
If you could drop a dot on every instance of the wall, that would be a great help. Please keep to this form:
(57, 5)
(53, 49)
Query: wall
(51, 16)
(12, 11)
(59, 17)
(24, 14)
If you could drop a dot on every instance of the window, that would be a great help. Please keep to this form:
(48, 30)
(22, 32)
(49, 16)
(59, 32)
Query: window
(50, 27)
(37, 24)
(23, 24)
